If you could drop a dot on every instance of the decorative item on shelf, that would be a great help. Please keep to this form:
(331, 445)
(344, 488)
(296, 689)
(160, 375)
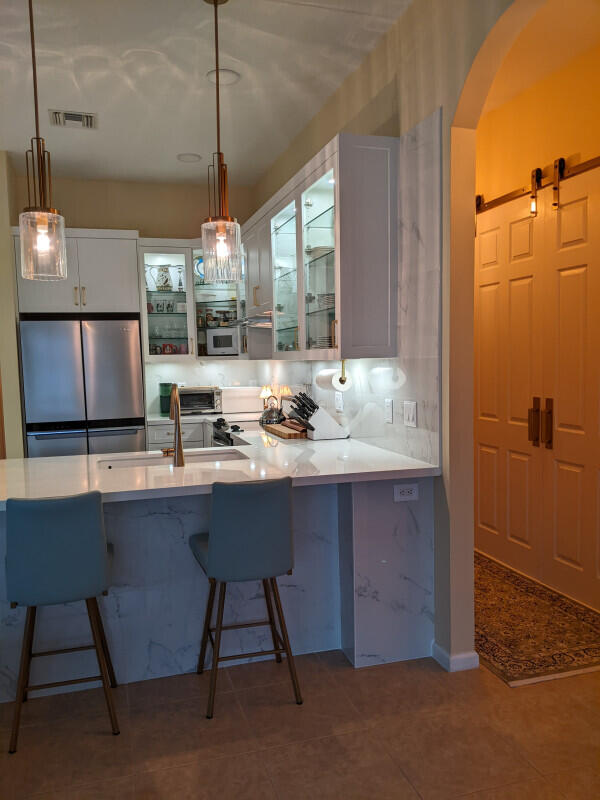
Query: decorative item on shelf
(221, 237)
(160, 307)
(199, 320)
(183, 349)
(169, 349)
(180, 281)
(161, 275)
(199, 268)
(169, 307)
(41, 227)
(149, 308)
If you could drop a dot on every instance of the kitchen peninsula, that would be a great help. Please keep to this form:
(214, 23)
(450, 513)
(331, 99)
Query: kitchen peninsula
(363, 575)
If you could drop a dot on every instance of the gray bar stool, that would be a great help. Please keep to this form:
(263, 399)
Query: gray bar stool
(56, 553)
(250, 538)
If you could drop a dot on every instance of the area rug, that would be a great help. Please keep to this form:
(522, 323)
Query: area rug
(525, 632)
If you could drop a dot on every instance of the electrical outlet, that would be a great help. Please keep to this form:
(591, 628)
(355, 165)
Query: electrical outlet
(339, 401)
(410, 413)
(406, 491)
(388, 414)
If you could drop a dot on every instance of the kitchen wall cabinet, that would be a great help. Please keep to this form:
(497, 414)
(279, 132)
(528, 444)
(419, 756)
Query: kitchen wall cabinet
(258, 258)
(180, 310)
(333, 253)
(101, 276)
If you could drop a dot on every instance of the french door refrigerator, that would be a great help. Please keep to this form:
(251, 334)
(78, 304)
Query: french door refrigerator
(82, 384)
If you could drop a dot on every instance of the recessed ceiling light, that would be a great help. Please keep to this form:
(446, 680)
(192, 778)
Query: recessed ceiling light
(227, 77)
(189, 158)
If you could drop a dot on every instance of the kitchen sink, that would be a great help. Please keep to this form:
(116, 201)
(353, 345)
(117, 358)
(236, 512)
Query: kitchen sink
(158, 460)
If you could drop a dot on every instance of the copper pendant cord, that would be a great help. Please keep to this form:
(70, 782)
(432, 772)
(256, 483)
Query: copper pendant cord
(37, 158)
(217, 171)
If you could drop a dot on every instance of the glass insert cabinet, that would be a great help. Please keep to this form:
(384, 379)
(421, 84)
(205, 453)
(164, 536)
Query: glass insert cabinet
(183, 316)
(334, 253)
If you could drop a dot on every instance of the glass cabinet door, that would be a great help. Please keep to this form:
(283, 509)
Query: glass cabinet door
(318, 247)
(218, 305)
(285, 280)
(166, 303)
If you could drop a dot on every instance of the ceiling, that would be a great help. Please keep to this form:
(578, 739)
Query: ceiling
(141, 66)
(558, 33)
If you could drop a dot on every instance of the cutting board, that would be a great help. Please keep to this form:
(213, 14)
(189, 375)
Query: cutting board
(283, 432)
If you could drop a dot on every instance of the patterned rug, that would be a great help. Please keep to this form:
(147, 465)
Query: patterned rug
(525, 632)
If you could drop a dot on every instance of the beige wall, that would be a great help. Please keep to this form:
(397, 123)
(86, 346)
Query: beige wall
(174, 210)
(9, 367)
(557, 116)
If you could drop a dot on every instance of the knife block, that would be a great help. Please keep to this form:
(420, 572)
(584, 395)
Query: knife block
(325, 427)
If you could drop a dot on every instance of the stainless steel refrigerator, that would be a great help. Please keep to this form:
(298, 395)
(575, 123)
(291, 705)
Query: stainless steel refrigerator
(82, 384)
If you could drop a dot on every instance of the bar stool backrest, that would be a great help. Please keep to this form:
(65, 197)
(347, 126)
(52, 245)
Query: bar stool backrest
(55, 550)
(250, 535)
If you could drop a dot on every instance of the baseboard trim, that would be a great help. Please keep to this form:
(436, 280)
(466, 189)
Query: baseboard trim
(457, 662)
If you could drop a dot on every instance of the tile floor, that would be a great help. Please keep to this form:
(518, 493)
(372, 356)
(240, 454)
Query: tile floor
(396, 732)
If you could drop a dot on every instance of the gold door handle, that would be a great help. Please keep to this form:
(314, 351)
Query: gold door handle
(547, 424)
(334, 322)
(76, 295)
(83, 298)
(254, 298)
(533, 423)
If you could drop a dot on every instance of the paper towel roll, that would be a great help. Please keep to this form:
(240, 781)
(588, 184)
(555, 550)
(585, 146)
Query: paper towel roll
(330, 379)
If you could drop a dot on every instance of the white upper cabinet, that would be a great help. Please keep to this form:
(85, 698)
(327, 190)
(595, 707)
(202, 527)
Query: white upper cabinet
(108, 277)
(259, 291)
(332, 253)
(102, 276)
(49, 297)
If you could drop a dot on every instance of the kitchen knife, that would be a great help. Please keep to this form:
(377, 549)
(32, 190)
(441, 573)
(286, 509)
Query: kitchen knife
(303, 408)
(309, 401)
(299, 409)
(301, 420)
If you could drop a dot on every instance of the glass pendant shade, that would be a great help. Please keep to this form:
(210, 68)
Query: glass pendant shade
(43, 251)
(221, 251)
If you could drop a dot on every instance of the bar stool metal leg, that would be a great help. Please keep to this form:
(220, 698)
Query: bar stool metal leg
(102, 664)
(216, 648)
(98, 615)
(286, 641)
(207, 618)
(26, 648)
(30, 654)
(274, 634)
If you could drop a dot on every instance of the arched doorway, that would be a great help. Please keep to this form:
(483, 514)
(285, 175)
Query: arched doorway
(519, 516)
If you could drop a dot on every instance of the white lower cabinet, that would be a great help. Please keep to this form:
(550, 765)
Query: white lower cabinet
(162, 434)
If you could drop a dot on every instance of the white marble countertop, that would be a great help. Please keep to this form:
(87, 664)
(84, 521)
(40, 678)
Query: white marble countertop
(306, 462)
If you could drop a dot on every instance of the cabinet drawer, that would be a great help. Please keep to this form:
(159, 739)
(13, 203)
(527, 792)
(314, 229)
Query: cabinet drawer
(163, 434)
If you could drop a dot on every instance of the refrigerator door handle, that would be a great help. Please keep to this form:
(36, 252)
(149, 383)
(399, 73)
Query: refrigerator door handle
(55, 434)
(115, 431)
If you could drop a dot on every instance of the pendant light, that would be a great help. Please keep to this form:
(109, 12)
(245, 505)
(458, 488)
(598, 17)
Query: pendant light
(41, 227)
(221, 238)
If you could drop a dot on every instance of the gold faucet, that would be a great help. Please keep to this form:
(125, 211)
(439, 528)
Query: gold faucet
(175, 415)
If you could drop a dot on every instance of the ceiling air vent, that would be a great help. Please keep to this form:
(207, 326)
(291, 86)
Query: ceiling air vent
(73, 119)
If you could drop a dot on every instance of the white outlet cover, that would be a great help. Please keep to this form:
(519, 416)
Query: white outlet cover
(339, 401)
(388, 415)
(410, 413)
(406, 491)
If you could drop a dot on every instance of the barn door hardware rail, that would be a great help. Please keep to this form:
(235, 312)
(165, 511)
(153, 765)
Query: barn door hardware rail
(560, 172)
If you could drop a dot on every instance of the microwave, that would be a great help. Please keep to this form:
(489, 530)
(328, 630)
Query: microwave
(200, 400)
(223, 341)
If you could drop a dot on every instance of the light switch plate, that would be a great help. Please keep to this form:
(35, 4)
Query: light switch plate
(339, 401)
(388, 415)
(410, 413)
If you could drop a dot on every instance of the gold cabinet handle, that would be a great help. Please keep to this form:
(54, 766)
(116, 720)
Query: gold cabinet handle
(547, 424)
(76, 295)
(83, 298)
(334, 322)
(254, 298)
(533, 422)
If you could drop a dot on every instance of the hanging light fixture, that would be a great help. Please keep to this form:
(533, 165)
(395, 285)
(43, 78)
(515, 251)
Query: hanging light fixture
(41, 227)
(221, 238)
